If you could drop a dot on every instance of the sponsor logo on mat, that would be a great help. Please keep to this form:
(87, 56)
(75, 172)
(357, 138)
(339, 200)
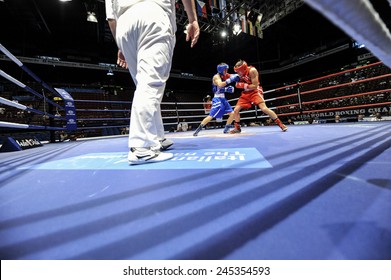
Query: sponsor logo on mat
(183, 159)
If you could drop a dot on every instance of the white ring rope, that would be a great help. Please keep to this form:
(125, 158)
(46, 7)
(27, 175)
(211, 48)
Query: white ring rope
(12, 104)
(10, 56)
(20, 84)
(12, 79)
(13, 125)
(360, 21)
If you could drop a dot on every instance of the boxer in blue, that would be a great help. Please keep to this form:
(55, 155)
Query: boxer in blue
(220, 105)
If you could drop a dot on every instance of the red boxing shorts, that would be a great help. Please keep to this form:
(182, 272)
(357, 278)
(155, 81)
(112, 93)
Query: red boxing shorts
(247, 99)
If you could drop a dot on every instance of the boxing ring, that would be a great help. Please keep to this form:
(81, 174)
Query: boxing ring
(353, 94)
(320, 191)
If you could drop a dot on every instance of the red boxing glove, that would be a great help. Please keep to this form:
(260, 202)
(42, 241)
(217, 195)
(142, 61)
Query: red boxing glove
(241, 85)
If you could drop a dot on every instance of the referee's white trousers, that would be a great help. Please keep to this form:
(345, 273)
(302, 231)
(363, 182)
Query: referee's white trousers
(147, 39)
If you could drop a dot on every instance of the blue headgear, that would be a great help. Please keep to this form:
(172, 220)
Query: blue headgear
(221, 67)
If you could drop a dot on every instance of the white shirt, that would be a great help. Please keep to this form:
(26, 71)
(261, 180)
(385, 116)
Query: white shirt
(115, 8)
(183, 126)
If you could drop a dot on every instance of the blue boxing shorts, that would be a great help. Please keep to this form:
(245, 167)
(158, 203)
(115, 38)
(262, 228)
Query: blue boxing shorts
(220, 107)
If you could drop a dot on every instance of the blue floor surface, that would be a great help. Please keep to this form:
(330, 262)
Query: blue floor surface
(314, 192)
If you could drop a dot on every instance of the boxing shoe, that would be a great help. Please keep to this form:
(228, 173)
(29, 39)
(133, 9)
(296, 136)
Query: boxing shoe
(283, 127)
(199, 128)
(147, 155)
(165, 144)
(236, 130)
(280, 124)
(227, 128)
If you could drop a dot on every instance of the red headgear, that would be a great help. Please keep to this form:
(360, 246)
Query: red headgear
(242, 70)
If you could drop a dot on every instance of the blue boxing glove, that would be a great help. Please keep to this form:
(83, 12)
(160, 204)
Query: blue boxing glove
(235, 78)
(229, 89)
(232, 78)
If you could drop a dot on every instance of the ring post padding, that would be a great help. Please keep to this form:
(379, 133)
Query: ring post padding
(10, 145)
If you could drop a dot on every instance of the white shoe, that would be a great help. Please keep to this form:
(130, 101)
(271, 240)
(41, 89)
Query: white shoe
(165, 144)
(147, 155)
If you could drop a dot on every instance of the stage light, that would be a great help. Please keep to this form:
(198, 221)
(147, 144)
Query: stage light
(91, 11)
(91, 17)
(110, 72)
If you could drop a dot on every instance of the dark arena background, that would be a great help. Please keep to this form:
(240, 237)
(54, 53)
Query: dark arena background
(320, 191)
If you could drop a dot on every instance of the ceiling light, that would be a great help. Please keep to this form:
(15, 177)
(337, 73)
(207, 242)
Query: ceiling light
(223, 33)
(63, 0)
(91, 17)
(110, 72)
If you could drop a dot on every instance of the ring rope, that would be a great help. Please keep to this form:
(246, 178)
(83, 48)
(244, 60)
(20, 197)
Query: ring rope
(103, 101)
(28, 71)
(346, 84)
(102, 110)
(335, 98)
(361, 21)
(26, 108)
(28, 126)
(20, 84)
(341, 72)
